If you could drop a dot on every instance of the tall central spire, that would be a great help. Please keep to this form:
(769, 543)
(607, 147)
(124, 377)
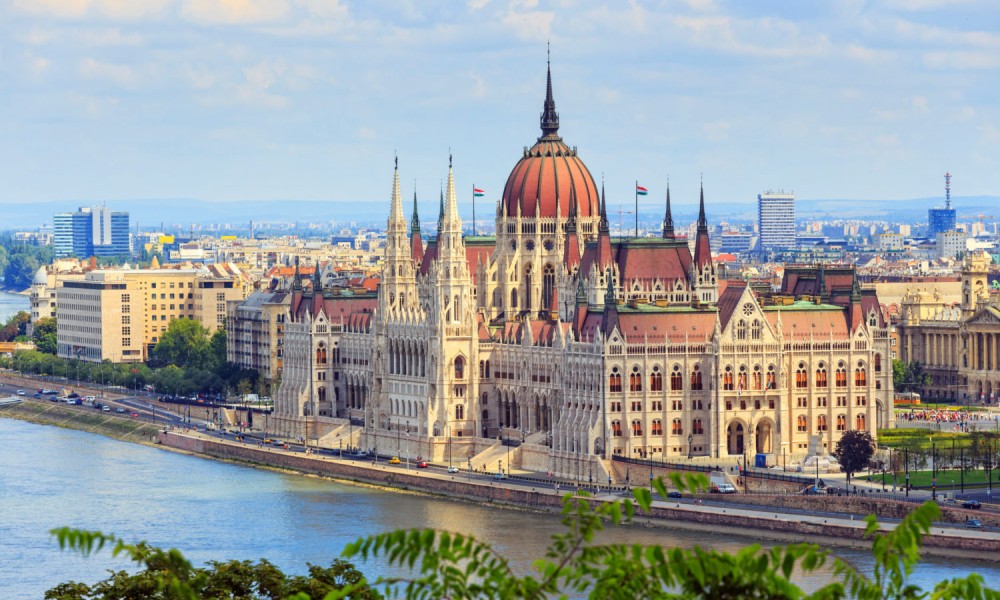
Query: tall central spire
(702, 221)
(550, 118)
(668, 218)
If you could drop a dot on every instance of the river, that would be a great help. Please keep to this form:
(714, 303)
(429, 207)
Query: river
(51, 477)
(11, 303)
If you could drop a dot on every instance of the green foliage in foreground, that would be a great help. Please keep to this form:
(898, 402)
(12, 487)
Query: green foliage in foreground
(455, 566)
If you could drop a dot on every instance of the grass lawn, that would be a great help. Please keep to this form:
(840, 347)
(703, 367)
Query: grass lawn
(921, 438)
(945, 478)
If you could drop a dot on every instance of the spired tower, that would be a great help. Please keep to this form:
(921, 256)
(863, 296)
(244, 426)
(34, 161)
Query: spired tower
(703, 276)
(399, 282)
(548, 187)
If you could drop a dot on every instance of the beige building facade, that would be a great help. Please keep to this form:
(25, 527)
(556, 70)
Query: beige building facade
(136, 306)
(958, 344)
(255, 333)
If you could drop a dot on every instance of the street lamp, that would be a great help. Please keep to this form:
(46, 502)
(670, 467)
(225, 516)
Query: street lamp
(933, 470)
(690, 439)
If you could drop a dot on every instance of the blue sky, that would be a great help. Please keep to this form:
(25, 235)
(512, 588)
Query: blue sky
(227, 100)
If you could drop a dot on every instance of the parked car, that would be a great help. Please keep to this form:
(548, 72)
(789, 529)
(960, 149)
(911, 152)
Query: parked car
(723, 488)
(453, 469)
(674, 494)
(20, 392)
(422, 464)
(394, 460)
(971, 504)
(73, 395)
(974, 524)
(37, 396)
(134, 415)
(499, 476)
(106, 408)
(119, 410)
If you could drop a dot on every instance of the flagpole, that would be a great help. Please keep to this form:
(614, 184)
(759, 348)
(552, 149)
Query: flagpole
(473, 210)
(636, 208)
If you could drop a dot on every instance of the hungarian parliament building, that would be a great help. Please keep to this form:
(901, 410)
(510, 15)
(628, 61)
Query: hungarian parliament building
(552, 347)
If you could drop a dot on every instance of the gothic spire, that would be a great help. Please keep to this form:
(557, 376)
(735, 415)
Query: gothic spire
(451, 200)
(415, 221)
(603, 224)
(668, 219)
(702, 221)
(550, 118)
(396, 213)
(441, 211)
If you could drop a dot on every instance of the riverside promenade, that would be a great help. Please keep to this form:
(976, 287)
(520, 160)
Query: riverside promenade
(830, 521)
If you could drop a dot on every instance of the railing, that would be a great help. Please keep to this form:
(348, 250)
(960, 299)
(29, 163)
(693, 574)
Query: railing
(666, 465)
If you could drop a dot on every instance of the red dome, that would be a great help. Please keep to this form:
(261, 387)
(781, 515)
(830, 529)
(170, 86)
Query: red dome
(548, 171)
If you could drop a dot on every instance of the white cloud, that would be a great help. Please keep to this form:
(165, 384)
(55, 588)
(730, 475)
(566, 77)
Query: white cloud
(119, 74)
(478, 85)
(78, 9)
(477, 4)
(867, 55)
(234, 12)
(961, 60)
(38, 65)
(325, 9)
(111, 37)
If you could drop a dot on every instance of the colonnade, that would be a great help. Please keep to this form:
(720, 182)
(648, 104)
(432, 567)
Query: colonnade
(984, 351)
(941, 350)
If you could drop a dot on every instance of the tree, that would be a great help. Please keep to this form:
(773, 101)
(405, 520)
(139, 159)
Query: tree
(853, 451)
(184, 343)
(166, 574)
(16, 326)
(457, 566)
(20, 270)
(44, 335)
(909, 377)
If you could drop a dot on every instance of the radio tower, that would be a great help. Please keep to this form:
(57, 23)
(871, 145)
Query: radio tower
(947, 190)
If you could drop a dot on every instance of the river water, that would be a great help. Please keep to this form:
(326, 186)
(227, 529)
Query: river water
(51, 477)
(11, 303)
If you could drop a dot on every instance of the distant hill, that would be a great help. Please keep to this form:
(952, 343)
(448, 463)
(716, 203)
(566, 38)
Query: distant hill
(185, 211)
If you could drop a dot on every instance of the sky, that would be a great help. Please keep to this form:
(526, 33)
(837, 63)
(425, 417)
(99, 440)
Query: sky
(229, 100)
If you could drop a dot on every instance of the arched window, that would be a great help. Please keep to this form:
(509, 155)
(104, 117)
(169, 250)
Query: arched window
(801, 376)
(696, 427)
(859, 423)
(772, 378)
(459, 412)
(755, 330)
(841, 422)
(657, 427)
(321, 354)
(548, 285)
(757, 383)
(821, 376)
(513, 299)
(878, 363)
(616, 428)
(676, 427)
(821, 423)
(321, 392)
(676, 379)
(635, 380)
(741, 330)
(459, 367)
(615, 381)
(859, 375)
(482, 369)
(656, 380)
(727, 379)
(841, 376)
(637, 427)
(696, 378)
(741, 378)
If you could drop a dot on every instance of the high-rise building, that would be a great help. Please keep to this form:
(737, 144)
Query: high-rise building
(93, 231)
(776, 220)
(942, 219)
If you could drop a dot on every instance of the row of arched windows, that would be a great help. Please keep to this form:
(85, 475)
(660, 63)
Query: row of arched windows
(635, 380)
(656, 427)
(840, 375)
(802, 423)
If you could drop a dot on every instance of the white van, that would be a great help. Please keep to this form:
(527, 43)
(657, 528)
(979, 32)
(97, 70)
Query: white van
(726, 488)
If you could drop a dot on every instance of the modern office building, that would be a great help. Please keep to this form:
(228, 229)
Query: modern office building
(776, 220)
(942, 219)
(93, 231)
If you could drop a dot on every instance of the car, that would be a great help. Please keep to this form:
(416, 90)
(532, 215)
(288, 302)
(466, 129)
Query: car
(98, 405)
(453, 469)
(73, 395)
(134, 415)
(20, 392)
(422, 464)
(90, 398)
(674, 494)
(106, 408)
(499, 476)
(974, 524)
(972, 504)
(37, 396)
(268, 441)
(723, 488)
(394, 460)
(119, 410)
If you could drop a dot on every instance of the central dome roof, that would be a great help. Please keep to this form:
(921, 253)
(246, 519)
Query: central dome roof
(550, 176)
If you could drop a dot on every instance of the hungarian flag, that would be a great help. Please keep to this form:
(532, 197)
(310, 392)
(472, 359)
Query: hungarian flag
(478, 193)
(640, 191)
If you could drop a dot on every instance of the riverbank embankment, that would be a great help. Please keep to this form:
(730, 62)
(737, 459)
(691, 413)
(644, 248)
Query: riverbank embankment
(102, 423)
(770, 525)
